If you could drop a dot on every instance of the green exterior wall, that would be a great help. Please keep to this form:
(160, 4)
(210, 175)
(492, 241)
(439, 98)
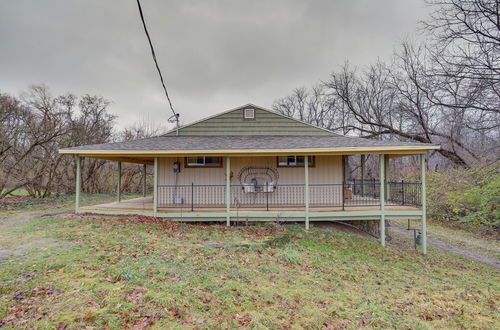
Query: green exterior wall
(265, 123)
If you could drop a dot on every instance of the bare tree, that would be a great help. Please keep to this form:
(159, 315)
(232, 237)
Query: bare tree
(35, 126)
(132, 173)
(31, 127)
(465, 48)
(315, 107)
(444, 92)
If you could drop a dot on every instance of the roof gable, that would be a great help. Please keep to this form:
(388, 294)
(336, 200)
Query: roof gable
(266, 122)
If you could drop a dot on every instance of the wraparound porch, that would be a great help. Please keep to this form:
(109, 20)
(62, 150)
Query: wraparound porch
(144, 206)
(377, 200)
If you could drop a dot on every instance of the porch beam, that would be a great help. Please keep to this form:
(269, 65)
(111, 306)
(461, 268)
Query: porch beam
(155, 187)
(126, 159)
(144, 180)
(119, 183)
(78, 184)
(382, 198)
(397, 150)
(306, 187)
(424, 204)
(228, 191)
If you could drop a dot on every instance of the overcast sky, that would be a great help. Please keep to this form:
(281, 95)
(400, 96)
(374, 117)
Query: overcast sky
(216, 55)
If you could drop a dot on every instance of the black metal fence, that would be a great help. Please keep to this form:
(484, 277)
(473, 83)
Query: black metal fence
(192, 196)
(368, 187)
(288, 196)
(397, 193)
(268, 196)
(404, 193)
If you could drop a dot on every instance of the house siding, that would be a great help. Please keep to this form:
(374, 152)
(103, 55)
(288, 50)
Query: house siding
(327, 170)
(265, 123)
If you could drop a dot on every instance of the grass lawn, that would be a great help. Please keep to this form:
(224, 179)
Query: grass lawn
(115, 272)
(11, 205)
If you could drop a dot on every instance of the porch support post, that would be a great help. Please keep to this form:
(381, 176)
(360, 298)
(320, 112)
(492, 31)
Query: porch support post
(382, 198)
(386, 176)
(346, 168)
(155, 187)
(424, 205)
(119, 183)
(228, 190)
(344, 180)
(363, 161)
(78, 184)
(144, 180)
(306, 187)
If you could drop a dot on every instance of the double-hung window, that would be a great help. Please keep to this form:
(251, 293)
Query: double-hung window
(294, 161)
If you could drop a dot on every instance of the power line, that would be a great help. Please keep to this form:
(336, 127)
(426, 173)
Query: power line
(176, 115)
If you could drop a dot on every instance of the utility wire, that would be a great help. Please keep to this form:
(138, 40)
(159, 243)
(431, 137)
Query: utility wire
(156, 62)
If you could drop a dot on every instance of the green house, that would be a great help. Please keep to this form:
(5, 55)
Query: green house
(253, 164)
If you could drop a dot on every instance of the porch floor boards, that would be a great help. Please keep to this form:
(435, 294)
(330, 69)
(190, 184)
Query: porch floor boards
(145, 204)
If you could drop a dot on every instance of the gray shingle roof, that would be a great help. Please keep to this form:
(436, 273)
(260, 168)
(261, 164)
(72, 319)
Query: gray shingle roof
(213, 143)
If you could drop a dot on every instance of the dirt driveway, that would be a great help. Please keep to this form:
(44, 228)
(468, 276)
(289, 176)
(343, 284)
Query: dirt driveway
(478, 250)
(479, 254)
(10, 251)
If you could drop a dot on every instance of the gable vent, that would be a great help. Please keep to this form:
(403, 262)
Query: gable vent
(249, 114)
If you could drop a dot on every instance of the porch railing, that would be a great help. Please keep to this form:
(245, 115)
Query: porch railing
(404, 193)
(397, 193)
(288, 196)
(192, 196)
(267, 196)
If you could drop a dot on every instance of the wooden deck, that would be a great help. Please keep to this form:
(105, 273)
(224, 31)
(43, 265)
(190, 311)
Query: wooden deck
(145, 204)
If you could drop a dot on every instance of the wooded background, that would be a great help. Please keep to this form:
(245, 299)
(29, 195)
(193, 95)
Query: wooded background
(35, 125)
(443, 90)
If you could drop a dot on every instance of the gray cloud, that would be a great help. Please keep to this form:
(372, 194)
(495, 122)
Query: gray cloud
(216, 55)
